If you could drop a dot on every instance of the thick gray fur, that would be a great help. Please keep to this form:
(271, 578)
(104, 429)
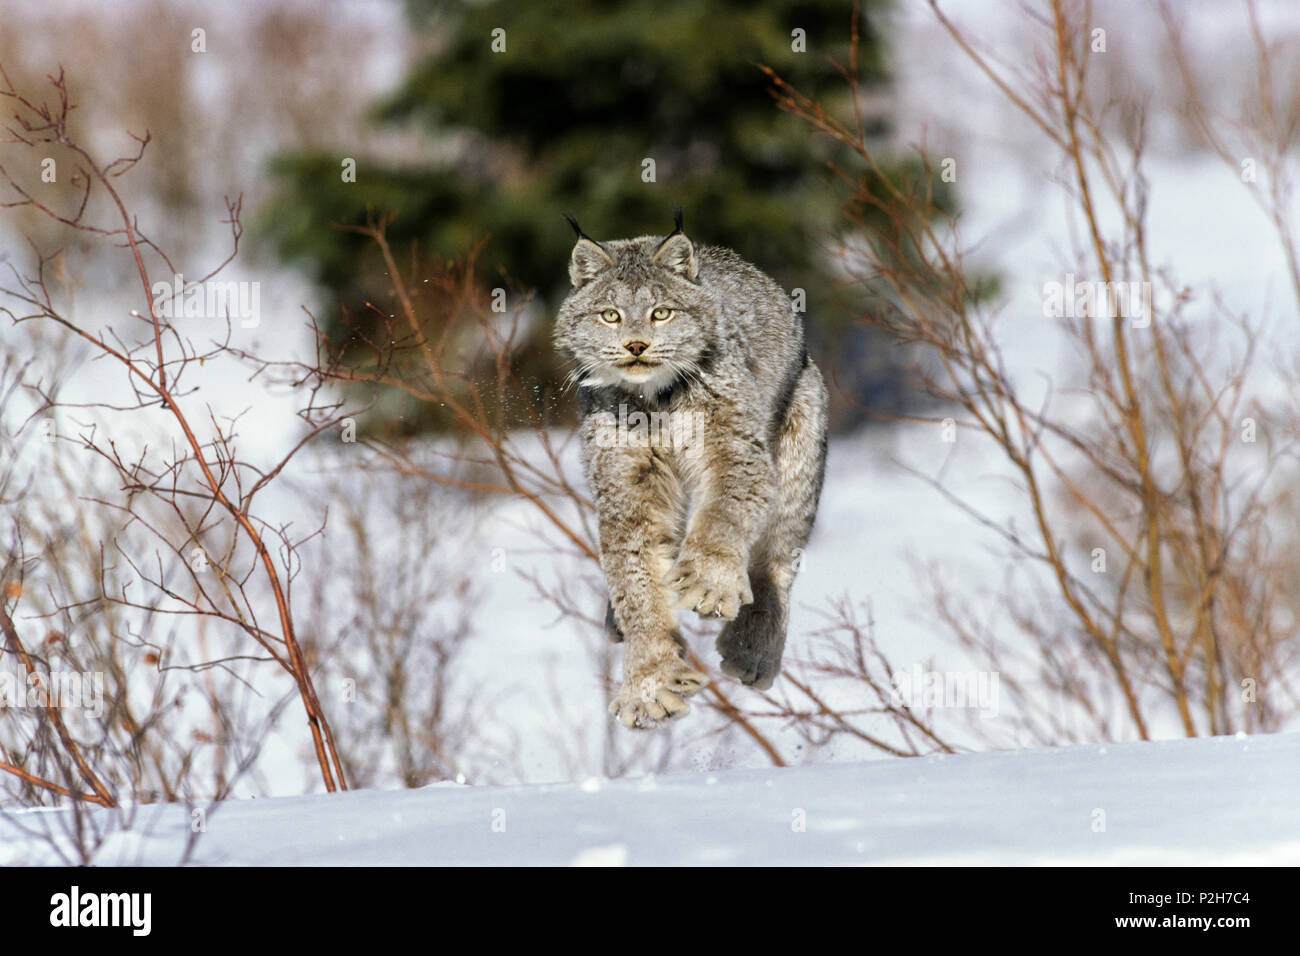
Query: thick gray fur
(712, 518)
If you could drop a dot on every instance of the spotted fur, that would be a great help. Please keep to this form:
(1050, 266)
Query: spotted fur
(716, 524)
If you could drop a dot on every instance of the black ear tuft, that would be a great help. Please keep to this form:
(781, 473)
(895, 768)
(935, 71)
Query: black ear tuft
(589, 256)
(676, 252)
(677, 229)
(573, 223)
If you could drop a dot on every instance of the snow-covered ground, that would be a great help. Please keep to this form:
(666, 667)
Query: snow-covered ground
(1225, 800)
(1222, 800)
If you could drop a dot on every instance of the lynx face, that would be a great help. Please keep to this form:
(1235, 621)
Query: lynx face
(636, 317)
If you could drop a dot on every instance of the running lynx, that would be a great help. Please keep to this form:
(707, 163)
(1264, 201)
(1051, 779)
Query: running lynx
(704, 440)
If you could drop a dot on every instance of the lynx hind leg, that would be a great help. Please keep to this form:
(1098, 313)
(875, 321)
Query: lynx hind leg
(752, 645)
(612, 630)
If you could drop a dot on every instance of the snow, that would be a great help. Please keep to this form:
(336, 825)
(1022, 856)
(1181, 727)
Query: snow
(1221, 800)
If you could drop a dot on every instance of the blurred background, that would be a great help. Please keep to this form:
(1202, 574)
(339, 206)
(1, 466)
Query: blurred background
(453, 632)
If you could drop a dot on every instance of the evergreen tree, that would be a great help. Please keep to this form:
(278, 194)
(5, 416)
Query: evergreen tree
(613, 111)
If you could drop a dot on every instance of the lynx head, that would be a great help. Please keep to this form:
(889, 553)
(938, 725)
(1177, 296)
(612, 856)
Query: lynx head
(637, 317)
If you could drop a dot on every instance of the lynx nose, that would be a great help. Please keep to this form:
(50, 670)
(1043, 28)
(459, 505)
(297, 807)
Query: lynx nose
(636, 348)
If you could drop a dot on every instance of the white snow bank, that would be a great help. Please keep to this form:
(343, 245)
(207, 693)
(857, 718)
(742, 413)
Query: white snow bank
(1224, 800)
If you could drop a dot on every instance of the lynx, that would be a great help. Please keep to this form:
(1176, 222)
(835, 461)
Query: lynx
(712, 517)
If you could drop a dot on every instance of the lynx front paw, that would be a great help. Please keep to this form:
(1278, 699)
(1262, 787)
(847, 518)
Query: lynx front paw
(712, 585)
(646, 700)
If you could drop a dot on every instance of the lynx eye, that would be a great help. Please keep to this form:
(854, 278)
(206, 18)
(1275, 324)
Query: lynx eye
(611, 316)
(662, 314)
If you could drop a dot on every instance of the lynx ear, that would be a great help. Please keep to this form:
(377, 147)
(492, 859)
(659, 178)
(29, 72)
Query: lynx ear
(588, 259)
(589, 256)
(676, 253)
